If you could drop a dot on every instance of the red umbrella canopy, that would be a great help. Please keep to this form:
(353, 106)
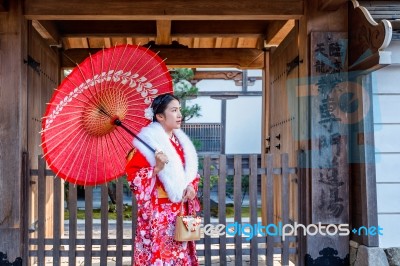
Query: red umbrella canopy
(81, 142)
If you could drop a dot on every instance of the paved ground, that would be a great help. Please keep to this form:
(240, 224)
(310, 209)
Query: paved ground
(126, 262)
(215, 262)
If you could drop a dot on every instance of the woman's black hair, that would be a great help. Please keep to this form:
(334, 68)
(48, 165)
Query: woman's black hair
(160, 103)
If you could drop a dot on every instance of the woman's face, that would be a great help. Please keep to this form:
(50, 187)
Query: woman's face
(172, 117)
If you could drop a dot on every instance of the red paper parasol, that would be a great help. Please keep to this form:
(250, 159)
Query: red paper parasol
(88, 125)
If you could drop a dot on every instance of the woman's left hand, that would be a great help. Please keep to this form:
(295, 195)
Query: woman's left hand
(189, 193)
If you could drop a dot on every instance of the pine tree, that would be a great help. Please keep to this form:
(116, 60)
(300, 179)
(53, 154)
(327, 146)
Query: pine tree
(185, 90)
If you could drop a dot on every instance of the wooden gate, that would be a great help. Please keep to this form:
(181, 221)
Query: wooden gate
(77, 242)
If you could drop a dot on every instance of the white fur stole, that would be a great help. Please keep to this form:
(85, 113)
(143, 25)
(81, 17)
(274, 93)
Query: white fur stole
(174, 176)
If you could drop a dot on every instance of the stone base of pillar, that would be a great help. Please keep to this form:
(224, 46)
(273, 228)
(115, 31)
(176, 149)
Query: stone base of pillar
(361, 255)
(393, 256)
(4, 260)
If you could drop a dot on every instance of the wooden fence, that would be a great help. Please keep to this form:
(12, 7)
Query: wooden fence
(59, 245)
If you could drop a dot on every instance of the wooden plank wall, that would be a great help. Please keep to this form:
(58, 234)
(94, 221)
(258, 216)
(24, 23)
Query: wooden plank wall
(13, 125)
(284, 116)
(43, 77)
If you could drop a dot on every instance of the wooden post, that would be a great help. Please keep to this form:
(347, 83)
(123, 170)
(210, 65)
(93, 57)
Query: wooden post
(311, 247)
(41, 210)
(237, 198)
(57, 221)
(269, 182)
(222, 207)
(223, 124)
(120, 220)
(13, 121)
(265, 133)
(104, 225)
(88, 224)
(207, 207)
(304, 143)
(364, 188)
(253, 207)
(72, 208)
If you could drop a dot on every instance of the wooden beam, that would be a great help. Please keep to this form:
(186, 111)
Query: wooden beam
(227, 75)
(163, 32)
(85, 43)
(102, 28)
(3, 6)
(372, 63)
(48, 31)
(236, 76)
(216, 57)
(365, 53)
(395, 24)
(278, 31)
(218, 35)
(107, 42)
(163, 10)
(330, 5)
(196, 42)
(218, 27)
(218, 42)
(173, 36)
(225, 94)
(177, 29)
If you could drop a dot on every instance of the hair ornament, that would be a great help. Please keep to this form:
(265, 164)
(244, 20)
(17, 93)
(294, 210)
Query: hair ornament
(149, 113)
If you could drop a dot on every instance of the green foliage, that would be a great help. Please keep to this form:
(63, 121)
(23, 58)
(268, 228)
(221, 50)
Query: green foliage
(184, 90)
(178, 74)
(96, 214)
(196, 143)
(213, 182)
(123, 179)
(230, 185)
(111, 189)
(213, 179)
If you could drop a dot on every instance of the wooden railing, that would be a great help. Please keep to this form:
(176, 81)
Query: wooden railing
(58, 245)
(208, 134)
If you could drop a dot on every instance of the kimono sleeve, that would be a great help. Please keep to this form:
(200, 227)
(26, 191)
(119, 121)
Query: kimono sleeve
(140, 174)
(195, 183)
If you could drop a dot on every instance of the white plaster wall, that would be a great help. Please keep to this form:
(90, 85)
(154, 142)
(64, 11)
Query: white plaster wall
(243, 121)
(210, 110)
(243, 125)
(386, 104)
(217, 85)
(258, 83)
(256, 87)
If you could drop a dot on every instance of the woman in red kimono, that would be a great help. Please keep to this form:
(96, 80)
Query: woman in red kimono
(160, 182)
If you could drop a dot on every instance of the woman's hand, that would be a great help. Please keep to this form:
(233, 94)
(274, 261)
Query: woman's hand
(189, 193)
(161, 160)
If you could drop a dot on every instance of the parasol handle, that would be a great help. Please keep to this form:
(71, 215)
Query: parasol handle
(119, 123)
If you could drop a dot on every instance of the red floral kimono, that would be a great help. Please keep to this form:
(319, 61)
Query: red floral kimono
(154, 240)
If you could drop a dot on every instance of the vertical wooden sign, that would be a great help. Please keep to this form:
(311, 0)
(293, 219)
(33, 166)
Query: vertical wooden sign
(329, 127)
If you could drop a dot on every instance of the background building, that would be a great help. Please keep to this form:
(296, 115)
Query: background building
(233, 108)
